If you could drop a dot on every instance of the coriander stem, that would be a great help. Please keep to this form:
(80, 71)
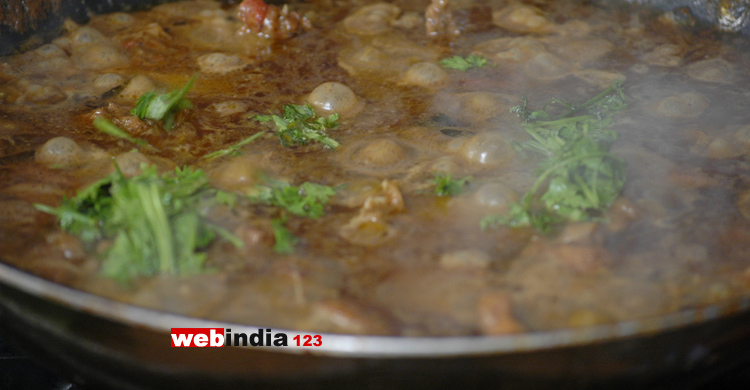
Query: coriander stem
(154, 210)
(615, 87)
(233, 148)
(227, 235)
(534, 134)
(612, 88)
(543, 177)
(106, 126)
(558, 101)
(563, 121)
(588, 192)
(77, 216)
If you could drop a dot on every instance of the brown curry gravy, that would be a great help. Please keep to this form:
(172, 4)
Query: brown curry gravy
(678, 237)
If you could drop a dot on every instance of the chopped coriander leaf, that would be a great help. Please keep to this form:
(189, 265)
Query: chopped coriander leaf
(285, 240)
(106, 126)
(152, 221)
(81, 215)
(464, 64)
(520, 214)
(306, 200)
(234, 150)
(582, 177)
(299, 124)
(226, 198)
(445, 186)
(163, 106)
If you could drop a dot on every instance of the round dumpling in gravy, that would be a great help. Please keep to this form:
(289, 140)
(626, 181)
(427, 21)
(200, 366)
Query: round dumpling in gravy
(714, 70)
(523, 19)
(372, 19)
(378, 157)
(334, 97)
(62, 152)
(487, 150)
(686, 105)
(219, 63)
(473, 107)
(425, 74)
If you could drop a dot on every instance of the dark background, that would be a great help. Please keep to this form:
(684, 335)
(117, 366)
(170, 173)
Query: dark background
(18, 371)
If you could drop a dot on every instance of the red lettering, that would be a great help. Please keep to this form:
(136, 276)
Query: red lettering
(308, 340)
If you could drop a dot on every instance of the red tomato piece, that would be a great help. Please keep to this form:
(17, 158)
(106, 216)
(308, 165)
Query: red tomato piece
(252, 12)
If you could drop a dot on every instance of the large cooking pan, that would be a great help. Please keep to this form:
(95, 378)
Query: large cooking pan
(114, 344)
(100, 341)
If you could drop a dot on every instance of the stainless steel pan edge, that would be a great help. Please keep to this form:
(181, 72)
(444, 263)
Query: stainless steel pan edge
(127, 347)
(370, 346)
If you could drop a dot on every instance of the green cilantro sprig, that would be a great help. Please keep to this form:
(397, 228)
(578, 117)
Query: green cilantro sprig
(234, 150)
(163, 107)
(464, 64)
(152, 221)
(307, 200)
(299, 124)
(582, 177)
(445, 186)
(285, 240)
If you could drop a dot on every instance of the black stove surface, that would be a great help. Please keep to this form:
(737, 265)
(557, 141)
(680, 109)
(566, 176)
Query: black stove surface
(19, 371)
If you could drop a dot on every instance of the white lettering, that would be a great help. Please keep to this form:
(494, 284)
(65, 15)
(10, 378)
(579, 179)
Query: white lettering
(217, 339)
(200, 340)
(182, 339)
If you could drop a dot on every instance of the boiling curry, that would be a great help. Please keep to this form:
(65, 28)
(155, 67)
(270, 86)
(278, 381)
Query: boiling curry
(404, 168)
